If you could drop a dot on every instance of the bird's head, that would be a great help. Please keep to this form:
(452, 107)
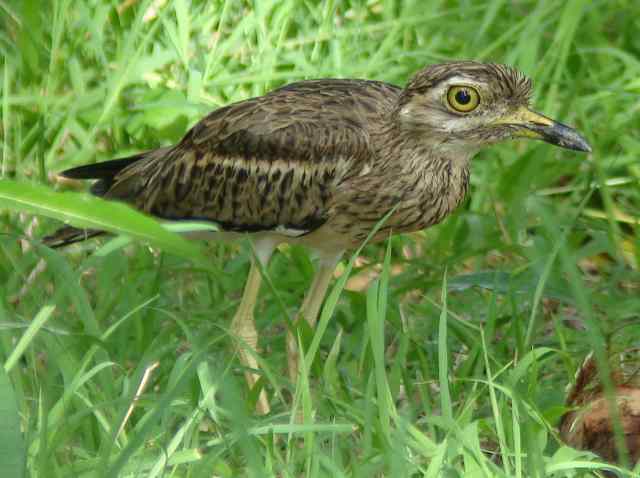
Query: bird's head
(463, 106)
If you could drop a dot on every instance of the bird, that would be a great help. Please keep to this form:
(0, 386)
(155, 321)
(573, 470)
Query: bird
(321, 163)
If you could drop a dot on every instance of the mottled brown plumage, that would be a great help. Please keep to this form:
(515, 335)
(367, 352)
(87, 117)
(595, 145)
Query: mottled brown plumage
(321, 162)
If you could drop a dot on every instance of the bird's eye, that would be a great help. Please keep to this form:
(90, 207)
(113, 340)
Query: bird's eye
(463, 98)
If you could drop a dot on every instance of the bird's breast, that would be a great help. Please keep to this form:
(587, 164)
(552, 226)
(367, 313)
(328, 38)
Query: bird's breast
(404, 200)
(431, 194)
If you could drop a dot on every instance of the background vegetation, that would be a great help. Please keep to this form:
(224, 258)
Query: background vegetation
(449, 360)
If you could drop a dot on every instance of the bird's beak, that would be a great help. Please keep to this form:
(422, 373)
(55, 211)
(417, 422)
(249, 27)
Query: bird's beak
(530, 124)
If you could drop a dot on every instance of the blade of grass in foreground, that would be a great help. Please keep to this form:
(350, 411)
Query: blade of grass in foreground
(32, 330)
(443, 356)
(12, 451)
(82, 210)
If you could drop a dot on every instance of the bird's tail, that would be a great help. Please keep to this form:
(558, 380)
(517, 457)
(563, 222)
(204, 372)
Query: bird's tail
(67, 235)
(105, 173)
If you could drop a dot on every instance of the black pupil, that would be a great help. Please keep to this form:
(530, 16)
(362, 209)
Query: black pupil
(463, 97)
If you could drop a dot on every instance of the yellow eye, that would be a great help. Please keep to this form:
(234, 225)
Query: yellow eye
(463, 98)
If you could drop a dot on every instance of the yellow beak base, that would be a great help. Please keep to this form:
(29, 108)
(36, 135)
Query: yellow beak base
(536, 126)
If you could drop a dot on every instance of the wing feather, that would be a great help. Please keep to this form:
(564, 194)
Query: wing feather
(267, 163)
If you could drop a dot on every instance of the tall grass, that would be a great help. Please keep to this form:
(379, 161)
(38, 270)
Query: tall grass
(446, 352)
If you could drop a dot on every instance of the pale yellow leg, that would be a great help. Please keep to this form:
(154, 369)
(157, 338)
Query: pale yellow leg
(243, 326)
(310, 308)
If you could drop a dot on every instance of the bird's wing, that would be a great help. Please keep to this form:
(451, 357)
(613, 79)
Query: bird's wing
(268, 163)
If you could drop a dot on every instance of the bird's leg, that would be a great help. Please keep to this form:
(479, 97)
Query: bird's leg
(311, 307)
(243, 326)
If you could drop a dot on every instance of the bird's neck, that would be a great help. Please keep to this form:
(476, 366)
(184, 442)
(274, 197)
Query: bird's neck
(420, 154)
(444, 179)
(433, 174)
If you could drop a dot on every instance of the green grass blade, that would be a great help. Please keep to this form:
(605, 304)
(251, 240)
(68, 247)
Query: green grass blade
(548, 267)
(5, 168)
(82, 210)
(12, 449)
(28, 336)
(376, 333)
(496, 409)
(443, 356)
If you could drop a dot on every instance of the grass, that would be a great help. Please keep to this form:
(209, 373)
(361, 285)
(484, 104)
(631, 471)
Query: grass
(450, 359)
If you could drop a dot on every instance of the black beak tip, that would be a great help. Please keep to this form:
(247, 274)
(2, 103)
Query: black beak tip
(567, 137)
(563, 136)
(586, 148)
(580, 144)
